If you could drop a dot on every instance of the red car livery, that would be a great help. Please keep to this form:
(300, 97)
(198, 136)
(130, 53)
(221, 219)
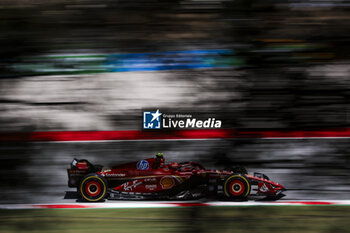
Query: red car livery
(153, 179)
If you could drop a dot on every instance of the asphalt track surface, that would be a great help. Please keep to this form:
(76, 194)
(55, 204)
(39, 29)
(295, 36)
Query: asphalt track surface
(311, 169)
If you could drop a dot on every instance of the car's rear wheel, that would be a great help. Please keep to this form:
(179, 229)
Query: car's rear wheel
(92, 187)
(237, 187)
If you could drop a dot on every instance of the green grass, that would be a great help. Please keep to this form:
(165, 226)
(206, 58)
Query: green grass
(184, 219)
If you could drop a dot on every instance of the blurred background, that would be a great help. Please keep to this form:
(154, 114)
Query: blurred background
(93, 65)
(87, 65)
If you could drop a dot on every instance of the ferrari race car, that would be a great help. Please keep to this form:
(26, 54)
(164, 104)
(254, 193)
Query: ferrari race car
(154, 179)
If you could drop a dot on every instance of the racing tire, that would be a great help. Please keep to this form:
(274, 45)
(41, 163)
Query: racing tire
(237, 187)
(92, 188)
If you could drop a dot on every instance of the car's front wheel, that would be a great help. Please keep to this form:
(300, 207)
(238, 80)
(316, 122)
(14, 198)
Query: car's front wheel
(92, 187)
(237, 187)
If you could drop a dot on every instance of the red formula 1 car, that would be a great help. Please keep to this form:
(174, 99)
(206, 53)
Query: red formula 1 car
(153, 179)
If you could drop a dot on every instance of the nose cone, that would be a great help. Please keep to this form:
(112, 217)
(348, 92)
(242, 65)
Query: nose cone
(279, 191)
(280, 187)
